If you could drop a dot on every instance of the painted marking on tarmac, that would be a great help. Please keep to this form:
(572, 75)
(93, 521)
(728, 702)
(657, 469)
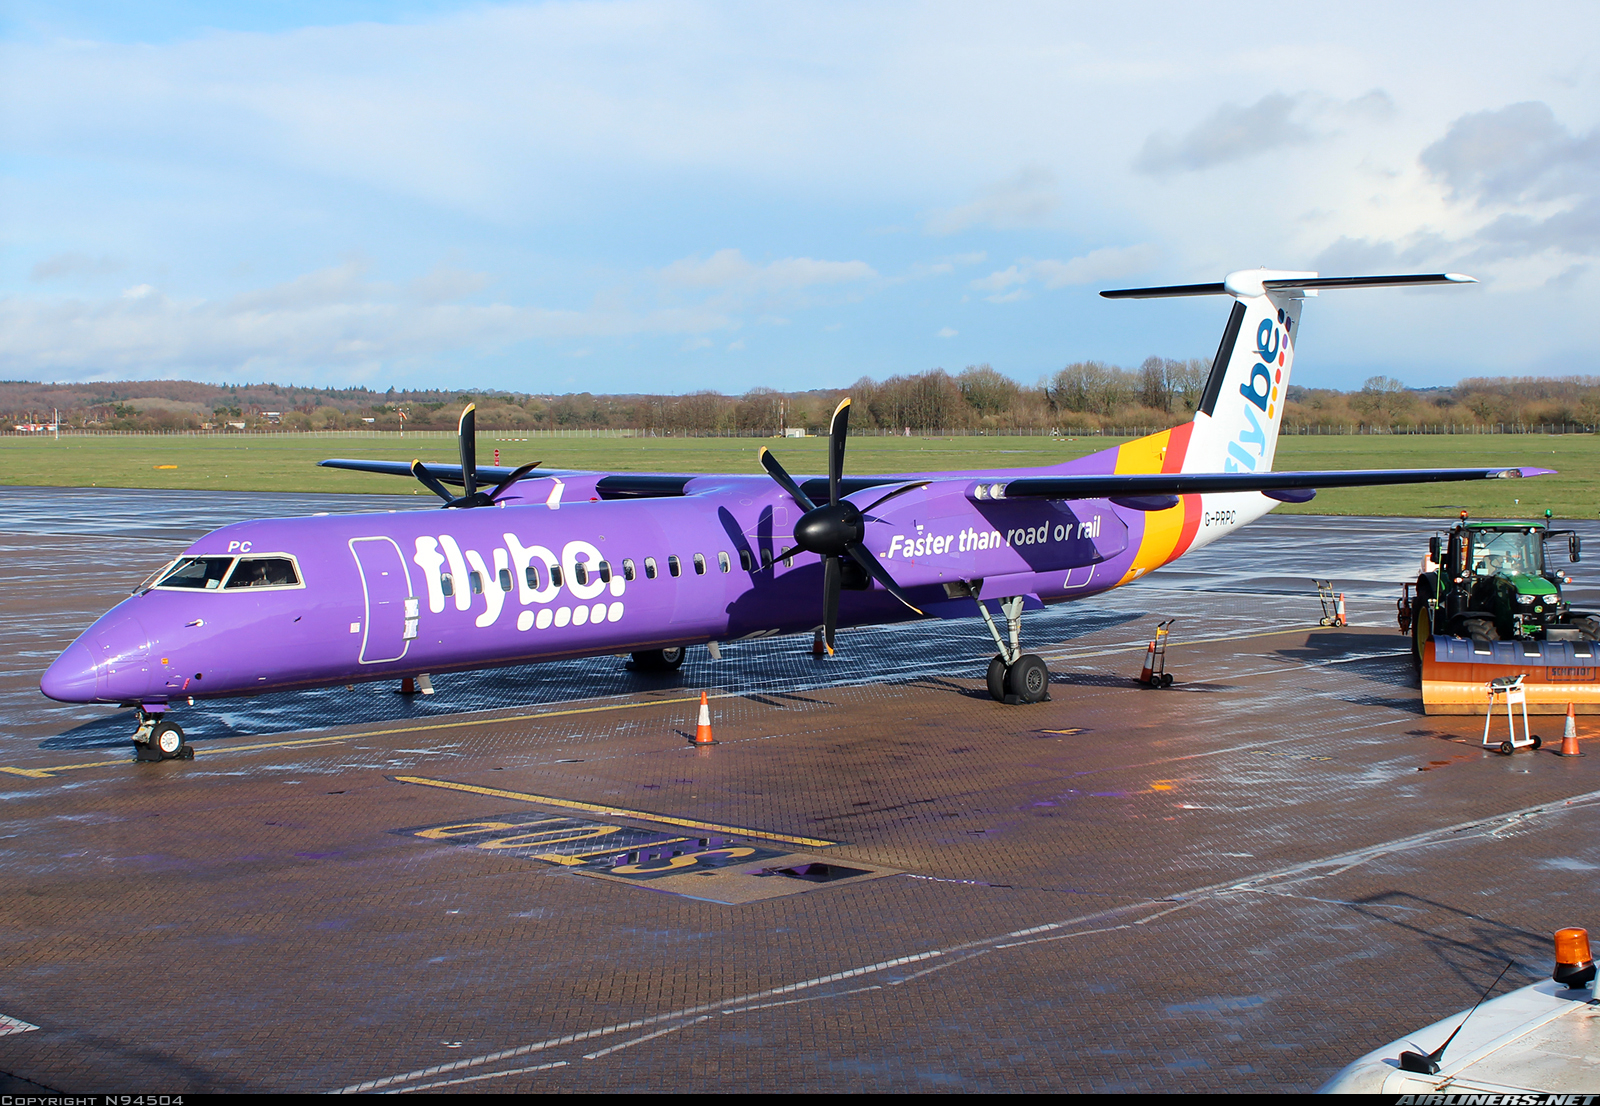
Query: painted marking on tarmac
(627, 852)
(967, 950)
(10, 1025)
(616, 812)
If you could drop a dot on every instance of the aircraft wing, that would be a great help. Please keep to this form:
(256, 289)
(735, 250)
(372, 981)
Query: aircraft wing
(616, 485)
(1141, 491)
(1161, 489)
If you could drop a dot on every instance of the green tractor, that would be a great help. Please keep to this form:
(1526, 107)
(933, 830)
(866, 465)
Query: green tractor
(1490, 581)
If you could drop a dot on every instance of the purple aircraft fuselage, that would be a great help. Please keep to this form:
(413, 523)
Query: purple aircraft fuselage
(385, 595)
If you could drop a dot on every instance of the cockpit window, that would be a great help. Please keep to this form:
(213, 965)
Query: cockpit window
(151, 580)
(264, 572)
(197, 573)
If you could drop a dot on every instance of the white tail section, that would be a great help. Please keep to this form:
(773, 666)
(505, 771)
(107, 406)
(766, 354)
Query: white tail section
(1236, 426)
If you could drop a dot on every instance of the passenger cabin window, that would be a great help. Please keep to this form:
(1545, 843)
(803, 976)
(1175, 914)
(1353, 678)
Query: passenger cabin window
(580, 573)
(475, 582)
(766, 558)
(699, 564)
(674, 566)
(532, 575)
(505, 579)
(627, 570)
(555, 576)
(744, 559)
(263, 572)
(447, 584)
(198, 573)
(605, 572)
(723, 562)
(649, 568)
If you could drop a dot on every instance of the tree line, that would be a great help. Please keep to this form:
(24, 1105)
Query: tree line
(1084, 397)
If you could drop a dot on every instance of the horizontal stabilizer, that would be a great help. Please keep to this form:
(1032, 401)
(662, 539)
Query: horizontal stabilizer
(1255, 282)
(1144, 485)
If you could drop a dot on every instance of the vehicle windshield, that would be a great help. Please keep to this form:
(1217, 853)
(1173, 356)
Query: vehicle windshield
(197, 572)
(1507, 553)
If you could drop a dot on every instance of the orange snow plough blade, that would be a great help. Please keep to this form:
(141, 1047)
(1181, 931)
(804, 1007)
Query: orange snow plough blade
(1456, 674)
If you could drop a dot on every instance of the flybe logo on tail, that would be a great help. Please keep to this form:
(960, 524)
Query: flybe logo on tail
(1272, 352)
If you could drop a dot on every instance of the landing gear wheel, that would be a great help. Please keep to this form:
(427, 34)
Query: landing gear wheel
(659, 660)
(1506, 749)
(1536, 742)
(1029, 679)
(997, 679)
(167, 740)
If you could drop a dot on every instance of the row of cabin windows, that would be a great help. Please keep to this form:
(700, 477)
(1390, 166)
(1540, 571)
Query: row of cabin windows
(603, 570)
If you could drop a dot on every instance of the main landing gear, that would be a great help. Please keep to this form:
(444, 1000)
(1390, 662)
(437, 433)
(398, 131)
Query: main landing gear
(157, 738)
(1014, 676)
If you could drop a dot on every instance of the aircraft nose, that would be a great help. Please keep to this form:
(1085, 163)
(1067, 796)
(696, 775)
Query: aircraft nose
(71, 679)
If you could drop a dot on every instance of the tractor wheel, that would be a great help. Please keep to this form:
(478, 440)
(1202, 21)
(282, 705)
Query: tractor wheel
(1421, 635)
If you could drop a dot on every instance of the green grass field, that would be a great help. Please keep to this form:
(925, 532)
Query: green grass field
(287, 463)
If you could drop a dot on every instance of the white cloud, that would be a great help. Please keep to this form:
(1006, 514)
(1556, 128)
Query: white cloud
(1525, 193)
(74, 263)
(310, 326)
(1026, 199)
(946, 332)
(1229, 133)
(728, 269)
(1099, 265)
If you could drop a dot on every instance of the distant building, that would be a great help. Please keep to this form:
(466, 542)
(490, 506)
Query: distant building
(794, 432)
(274, 417)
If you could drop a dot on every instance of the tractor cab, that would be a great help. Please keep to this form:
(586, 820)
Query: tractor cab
(1492, 581)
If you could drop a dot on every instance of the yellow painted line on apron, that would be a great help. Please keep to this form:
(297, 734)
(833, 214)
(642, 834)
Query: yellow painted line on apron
(614, 811)
(47, 773)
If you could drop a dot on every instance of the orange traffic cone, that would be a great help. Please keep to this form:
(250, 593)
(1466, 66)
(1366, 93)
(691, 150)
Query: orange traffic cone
(408, 686)
(1569, 739)
(702, 732)
(1149, 663)
(1343, 621)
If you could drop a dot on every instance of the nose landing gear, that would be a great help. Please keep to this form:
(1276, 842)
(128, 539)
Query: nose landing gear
(157, 738)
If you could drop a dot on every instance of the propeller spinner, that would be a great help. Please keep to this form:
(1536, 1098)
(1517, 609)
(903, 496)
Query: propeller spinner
(472, 497)
(835, 529)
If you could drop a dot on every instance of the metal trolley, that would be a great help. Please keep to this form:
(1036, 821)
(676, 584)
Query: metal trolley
(1514, 696)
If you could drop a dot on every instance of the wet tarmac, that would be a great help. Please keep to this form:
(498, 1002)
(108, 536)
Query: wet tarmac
(879, 879)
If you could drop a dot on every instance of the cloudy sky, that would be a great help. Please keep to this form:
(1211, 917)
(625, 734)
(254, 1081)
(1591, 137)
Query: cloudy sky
(675, 196)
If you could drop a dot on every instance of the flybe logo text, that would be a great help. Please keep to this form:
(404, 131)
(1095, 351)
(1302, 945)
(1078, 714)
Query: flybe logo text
(970, 540)
(1273, 350)
(539, 577)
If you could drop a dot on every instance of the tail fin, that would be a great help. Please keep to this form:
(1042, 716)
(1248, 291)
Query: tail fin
(1235, 428)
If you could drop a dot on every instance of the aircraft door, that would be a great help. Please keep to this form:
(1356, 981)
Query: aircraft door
(390, 621)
